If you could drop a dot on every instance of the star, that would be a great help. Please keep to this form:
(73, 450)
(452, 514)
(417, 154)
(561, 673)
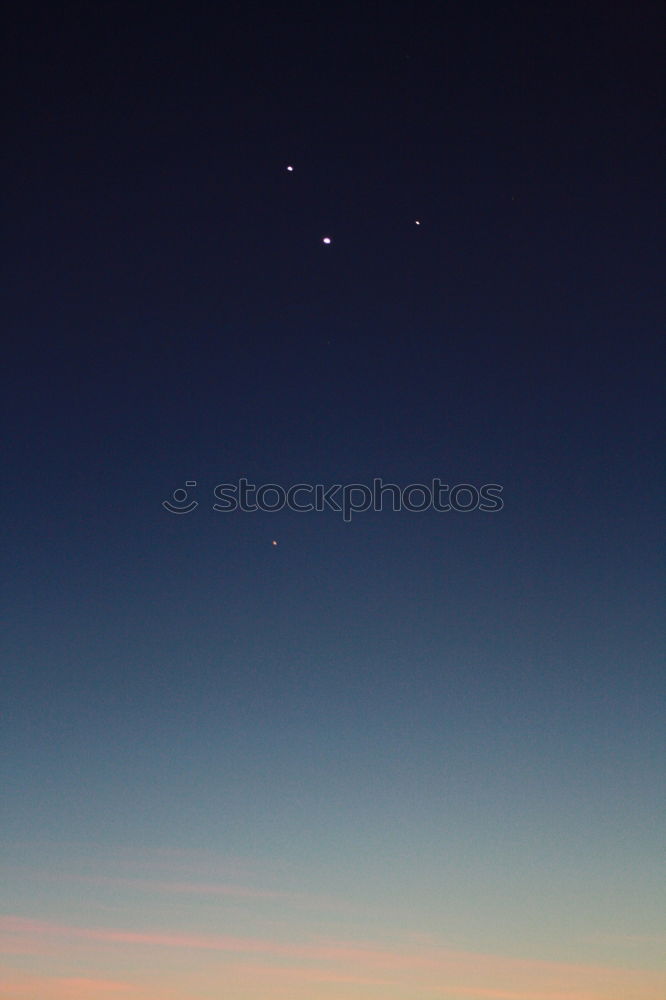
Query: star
(273, 542)
(417, 222)
(290, 169)
(326, 239)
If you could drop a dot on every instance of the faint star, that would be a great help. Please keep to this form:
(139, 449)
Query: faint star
(273, 542)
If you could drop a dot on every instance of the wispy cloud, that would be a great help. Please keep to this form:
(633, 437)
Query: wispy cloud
(210, 887)
(425, 970)
(20, 986)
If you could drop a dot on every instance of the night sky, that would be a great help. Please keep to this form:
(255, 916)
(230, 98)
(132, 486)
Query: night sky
(412, 756)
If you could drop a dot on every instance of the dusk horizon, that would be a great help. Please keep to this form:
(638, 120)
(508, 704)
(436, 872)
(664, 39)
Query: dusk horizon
(333, 665)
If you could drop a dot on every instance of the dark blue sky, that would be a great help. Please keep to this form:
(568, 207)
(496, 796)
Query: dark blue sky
(173, 315)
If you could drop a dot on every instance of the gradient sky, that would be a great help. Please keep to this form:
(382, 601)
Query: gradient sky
(415, 757)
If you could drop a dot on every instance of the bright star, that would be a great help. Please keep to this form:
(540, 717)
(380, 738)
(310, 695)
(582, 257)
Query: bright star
(326, 239)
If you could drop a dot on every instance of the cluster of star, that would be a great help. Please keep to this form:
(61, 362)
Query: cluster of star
(327, 240)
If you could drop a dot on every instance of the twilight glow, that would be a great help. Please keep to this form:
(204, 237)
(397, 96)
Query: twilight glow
(274, 751)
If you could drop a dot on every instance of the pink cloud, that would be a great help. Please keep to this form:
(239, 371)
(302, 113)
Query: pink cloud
(426, 969)
(18, 985)
(230, 890)
(297, 974)
(96, 985)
